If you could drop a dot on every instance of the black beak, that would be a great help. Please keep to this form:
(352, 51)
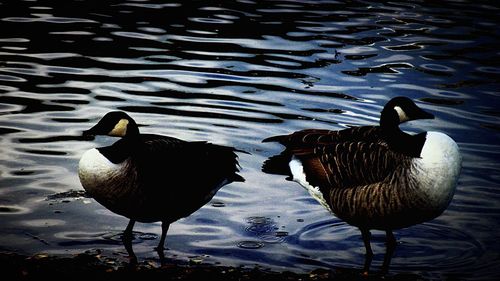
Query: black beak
(88, 135)
(94, 131)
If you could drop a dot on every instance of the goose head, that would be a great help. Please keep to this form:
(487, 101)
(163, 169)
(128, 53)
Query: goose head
(115, 124)
(399, 110)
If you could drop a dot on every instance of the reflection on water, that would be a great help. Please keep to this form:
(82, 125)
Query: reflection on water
(235, 73)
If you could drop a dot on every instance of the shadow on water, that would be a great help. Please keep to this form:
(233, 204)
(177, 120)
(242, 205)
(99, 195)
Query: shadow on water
(234, 73)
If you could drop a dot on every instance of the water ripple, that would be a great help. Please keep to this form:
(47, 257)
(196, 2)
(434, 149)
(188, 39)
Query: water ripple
(235, 73)
(47, 18)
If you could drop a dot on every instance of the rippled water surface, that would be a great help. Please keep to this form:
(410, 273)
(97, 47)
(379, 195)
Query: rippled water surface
(234, 73)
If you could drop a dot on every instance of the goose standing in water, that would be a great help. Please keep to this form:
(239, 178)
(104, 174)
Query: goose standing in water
(150, 178)
(374, 177)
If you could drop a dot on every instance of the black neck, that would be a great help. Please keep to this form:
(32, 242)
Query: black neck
(132, 130)
(410, 145)
(120, 150)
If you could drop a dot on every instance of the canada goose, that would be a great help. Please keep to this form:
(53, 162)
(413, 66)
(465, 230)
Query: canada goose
(150, 178)
(374, 177)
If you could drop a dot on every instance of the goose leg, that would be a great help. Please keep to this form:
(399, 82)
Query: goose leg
(127, 241)
(164, 229)
(365, 233)
(390, 247)
(160, 247)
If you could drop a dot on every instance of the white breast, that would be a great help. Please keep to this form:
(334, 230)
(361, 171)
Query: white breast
(438, 169)
(95, 170)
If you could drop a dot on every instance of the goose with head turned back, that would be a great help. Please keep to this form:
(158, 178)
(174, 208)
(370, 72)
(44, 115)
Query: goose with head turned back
(374, 177)
(149, 178)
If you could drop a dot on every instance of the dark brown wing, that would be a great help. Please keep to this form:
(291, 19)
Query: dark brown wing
(314, 137)
(348, 164)
(192, 163)
(182, 176)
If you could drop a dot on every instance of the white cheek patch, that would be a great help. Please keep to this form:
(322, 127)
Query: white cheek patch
(120, 129)
(402, 114)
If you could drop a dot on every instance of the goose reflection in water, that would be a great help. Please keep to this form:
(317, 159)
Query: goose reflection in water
(374, 177)
(149, 178)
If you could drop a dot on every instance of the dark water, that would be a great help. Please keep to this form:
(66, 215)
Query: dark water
(234, 73)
